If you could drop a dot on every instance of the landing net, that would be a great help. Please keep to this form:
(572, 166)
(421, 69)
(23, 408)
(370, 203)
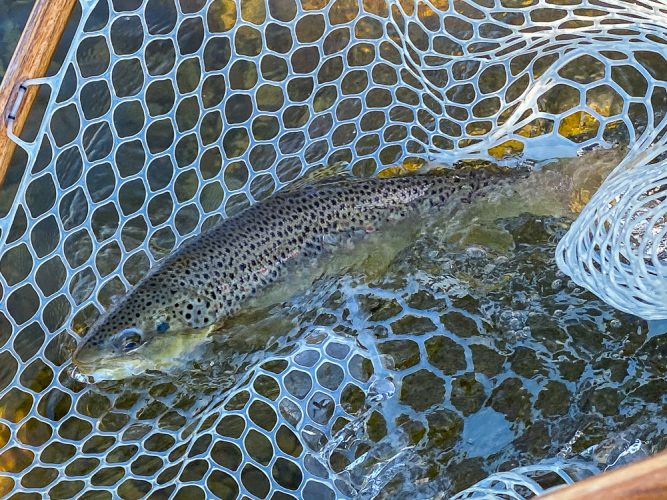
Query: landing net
(167, 116)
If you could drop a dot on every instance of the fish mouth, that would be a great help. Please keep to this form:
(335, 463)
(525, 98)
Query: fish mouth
(112, 368)
(160, 354)
(83, 356)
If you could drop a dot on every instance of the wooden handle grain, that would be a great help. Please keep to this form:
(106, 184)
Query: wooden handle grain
(31, 59)
(642, 480)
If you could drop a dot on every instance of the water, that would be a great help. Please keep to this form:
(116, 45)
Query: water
(545, 355)
(496, 358)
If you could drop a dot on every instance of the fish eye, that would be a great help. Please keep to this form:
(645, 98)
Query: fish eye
(162, 326)
(130, 340)
(130, 345)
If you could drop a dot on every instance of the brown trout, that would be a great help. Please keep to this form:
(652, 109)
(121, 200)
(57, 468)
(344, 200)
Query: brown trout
(232, 265)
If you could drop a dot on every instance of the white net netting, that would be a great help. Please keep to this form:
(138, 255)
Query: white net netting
(618, 245)
(528, 481)
(168, 115)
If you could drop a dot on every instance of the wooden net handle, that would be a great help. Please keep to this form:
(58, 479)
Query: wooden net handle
(642, 480)
(31, 59)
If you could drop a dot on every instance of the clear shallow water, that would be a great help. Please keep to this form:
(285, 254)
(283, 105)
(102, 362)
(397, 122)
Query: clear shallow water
(549, 358)
(496, 358)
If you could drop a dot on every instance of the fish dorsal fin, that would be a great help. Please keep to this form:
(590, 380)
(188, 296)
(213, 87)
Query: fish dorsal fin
(414, 166)
(322, 175)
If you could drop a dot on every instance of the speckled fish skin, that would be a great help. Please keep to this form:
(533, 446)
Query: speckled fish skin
(212, 276)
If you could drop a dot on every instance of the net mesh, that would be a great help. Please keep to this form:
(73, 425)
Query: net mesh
(618, 245)
(169, 115)
(528, 481)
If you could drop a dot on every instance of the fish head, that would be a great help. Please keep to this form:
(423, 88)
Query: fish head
(144, 331)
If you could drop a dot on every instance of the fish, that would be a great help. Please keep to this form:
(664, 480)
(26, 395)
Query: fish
(242, 261)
